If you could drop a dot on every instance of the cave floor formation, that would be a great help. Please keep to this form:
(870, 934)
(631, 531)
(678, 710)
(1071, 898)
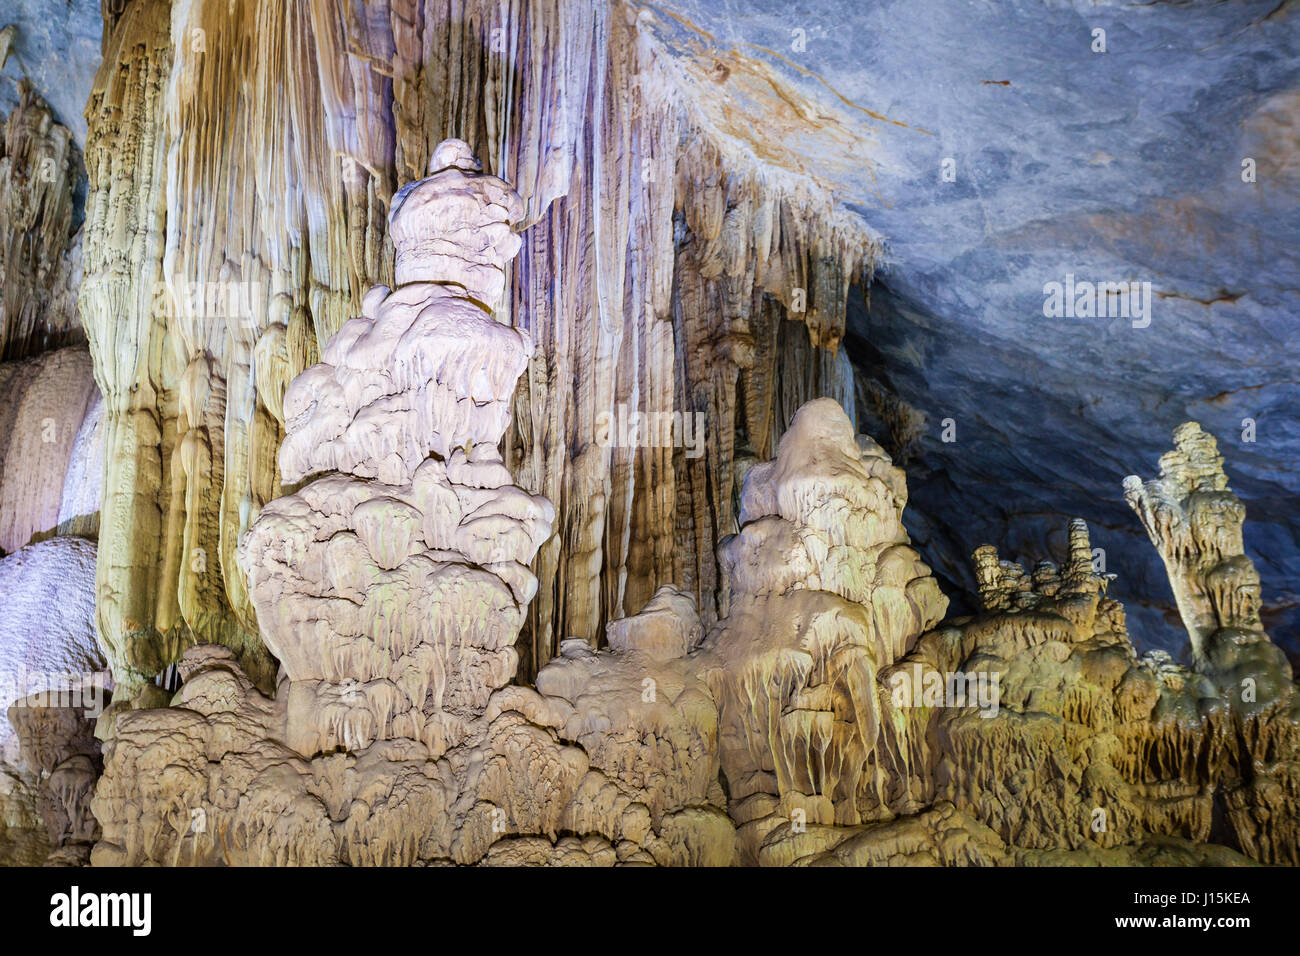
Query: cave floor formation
(587, 432)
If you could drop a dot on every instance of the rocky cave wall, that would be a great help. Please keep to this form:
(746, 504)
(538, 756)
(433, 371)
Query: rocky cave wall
(243, 163)
(52, 672)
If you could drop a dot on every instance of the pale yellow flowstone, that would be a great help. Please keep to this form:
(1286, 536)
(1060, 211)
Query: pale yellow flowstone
(827, 717)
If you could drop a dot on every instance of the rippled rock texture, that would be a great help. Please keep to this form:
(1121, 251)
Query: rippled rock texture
(526, 513)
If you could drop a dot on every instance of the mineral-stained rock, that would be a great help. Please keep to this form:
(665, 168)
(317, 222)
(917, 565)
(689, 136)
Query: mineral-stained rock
(24, 839)
(52, 686)
(56, 730)
(824, 592)
(50, 456)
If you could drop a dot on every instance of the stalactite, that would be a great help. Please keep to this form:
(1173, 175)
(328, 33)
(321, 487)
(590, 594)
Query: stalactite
(38, 260)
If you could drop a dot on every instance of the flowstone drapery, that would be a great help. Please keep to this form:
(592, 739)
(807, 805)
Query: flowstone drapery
(330, 106)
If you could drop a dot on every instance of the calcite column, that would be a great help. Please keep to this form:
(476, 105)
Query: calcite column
(1195, 520)
(824, 590)
(392, 585)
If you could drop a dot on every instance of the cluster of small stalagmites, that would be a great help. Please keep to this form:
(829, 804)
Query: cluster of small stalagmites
(392, 585)
(1010, 715)
(824, 590)
(1085, 745)
(649, 726)
(1195, 522)
(1006, 586)
(56, 736)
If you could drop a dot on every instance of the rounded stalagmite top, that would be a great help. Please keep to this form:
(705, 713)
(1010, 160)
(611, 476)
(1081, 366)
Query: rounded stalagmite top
(456, 226)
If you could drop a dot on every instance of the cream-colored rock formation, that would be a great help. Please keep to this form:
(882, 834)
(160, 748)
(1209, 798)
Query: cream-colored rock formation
(53, 684)
(584, 113)
(391, 587)
(1195, 522)
(402, 572)
(825, 591)
(51, 462)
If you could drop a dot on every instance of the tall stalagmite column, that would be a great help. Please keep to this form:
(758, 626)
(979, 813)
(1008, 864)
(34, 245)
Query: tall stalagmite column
(1195, 520)
(392, 585)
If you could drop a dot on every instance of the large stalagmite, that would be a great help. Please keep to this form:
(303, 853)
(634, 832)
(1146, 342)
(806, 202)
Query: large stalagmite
(397, 576)
(1195, 521)
(392, 587)
(824, 592)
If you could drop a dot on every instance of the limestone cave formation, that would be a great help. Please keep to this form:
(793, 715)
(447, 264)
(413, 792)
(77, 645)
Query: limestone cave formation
(593, 432)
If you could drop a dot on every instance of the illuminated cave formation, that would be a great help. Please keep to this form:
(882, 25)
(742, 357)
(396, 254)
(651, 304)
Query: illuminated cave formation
(433, 433)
